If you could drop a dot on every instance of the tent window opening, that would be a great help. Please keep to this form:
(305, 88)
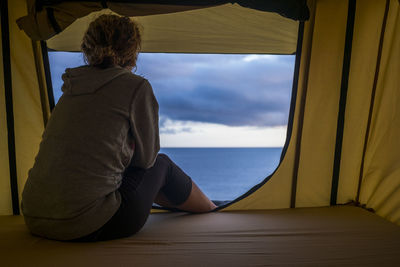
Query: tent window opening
(223, 117)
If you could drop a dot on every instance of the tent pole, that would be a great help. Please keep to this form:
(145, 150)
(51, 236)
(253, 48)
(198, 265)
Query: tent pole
(5, 37)
(42, 87)
(291, 115)
(294, 87)
(47, 74)
(302, 102)
(373, 92)
(343, 99)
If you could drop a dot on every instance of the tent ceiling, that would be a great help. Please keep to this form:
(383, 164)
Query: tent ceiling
(221, 29)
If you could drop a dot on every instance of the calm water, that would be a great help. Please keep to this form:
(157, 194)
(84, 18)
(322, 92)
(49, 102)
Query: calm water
(226, 173)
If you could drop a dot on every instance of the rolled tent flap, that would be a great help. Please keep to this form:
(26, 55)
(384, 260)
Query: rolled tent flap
(222, 29)
(204, 27)
(45, 21)
(293, 9)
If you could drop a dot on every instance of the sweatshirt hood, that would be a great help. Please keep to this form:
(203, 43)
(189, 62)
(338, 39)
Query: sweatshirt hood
(87, 80)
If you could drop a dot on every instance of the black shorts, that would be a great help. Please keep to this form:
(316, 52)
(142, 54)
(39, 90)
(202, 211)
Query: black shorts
(138, 191)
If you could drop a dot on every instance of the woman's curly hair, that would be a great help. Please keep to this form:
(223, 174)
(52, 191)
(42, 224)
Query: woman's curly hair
(111, 40)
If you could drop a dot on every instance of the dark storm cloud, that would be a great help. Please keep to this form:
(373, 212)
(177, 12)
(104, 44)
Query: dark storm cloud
(235, 90)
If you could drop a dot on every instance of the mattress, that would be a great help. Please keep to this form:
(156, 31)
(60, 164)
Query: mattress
(329, 236)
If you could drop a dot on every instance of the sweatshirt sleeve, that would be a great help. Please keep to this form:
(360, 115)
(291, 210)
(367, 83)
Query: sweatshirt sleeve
(144, 125)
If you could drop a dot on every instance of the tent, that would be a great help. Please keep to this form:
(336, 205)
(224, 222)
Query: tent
(340, 168)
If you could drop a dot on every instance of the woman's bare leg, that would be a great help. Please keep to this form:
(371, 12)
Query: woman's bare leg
(197, 201)
(180, 191)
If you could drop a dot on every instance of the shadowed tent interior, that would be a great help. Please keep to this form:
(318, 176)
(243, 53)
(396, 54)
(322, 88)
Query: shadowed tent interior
(337, 187)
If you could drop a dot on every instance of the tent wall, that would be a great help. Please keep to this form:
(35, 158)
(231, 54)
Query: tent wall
(367, 30)
(28, 115)
(380, 185)
(320, 82)
(318, 94)
(320, 117)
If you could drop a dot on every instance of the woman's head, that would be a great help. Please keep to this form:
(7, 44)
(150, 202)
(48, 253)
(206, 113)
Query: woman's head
(111, 40)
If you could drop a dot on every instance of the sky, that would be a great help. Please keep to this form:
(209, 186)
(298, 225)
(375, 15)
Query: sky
(209, 100)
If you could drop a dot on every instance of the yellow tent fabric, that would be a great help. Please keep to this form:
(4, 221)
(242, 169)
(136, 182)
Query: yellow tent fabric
(28, 115)
(369, 161)
(222, 29)
(380, 185)
(320, 81)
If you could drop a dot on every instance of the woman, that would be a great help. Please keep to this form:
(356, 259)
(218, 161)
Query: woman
(98, 170)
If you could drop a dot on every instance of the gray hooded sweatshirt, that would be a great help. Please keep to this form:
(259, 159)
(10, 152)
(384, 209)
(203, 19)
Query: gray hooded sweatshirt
(106, 120)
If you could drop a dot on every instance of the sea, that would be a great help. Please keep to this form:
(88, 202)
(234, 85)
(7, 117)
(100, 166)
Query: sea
(225, 173)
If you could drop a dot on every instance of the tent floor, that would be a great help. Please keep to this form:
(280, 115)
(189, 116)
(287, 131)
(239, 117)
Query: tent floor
(332, 236)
